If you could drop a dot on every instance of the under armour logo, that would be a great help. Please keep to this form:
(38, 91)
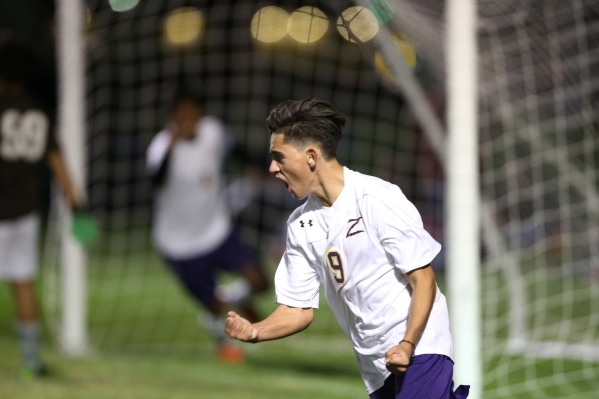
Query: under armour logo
(302, 223)
(350, 232)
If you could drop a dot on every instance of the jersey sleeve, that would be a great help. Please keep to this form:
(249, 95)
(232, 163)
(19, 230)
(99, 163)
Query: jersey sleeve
(296, 282)
(399, 229)
(157, 151)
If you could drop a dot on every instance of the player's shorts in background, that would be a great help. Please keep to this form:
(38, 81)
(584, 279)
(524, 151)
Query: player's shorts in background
(19, 248)
(427, 377)
(198, 274)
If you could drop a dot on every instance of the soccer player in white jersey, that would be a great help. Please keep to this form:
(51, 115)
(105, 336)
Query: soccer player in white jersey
(360, 239)
(192, 228)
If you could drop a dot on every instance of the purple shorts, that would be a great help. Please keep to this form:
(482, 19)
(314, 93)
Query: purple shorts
(198, 274)
(427, 377)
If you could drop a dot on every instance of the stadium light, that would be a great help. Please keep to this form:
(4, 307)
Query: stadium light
(307, 24)
(357, 24)
(122, 5)
(405, 47)
(269, 24)
(183, 26)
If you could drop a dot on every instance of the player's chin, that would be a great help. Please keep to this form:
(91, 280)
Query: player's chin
(291, 190)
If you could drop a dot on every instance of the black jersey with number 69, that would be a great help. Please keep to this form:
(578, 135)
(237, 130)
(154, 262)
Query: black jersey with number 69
(26, 136)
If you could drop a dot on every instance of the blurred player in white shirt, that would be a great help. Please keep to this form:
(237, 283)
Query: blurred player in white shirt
(192, 228)
(363, 241)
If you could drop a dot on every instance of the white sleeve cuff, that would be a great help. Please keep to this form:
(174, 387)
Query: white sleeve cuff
(282, 300)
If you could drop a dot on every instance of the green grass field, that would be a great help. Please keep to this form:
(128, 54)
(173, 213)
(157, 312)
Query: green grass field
(270, 372)
(146, 343)
(285, 369)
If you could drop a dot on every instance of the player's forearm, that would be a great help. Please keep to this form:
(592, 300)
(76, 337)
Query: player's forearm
(59, 170)
(424, 290)
(283, 322)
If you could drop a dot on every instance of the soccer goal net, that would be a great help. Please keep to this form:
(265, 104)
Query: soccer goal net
(539, 152)
(539, 157)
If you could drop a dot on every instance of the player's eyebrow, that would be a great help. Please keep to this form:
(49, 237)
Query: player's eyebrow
(276, 154)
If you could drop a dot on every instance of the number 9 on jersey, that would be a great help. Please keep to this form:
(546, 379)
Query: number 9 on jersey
(336, 265)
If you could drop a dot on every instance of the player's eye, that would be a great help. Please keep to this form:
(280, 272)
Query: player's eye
(277, 157)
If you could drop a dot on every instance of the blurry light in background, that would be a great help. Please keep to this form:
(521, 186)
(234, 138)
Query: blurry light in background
(357, 24)
(383, 10)
(122, 5)
(183, 25)
(269, 24)
(405, 47)
(307, 24)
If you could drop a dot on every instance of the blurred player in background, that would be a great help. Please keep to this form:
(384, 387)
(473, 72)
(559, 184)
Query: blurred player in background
(361, 239)
(27, 145)
(193, 229)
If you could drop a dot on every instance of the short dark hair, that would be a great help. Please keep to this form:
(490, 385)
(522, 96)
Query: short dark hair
(308, 121)
(182, 96)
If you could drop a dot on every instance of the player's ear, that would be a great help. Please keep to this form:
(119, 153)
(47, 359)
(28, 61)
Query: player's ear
(312, 156)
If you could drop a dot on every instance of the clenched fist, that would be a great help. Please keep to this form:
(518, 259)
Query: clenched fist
(398, 358)
(239, 328)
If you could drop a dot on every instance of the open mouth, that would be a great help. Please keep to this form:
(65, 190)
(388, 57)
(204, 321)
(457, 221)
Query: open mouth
(283, 181)
(286, 186)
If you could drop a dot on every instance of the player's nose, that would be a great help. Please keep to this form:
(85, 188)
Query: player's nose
(274, 167)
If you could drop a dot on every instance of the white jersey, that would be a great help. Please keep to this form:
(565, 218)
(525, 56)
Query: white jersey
(360, 250)
(190, 212)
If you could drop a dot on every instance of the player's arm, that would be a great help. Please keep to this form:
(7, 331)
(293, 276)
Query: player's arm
(296, 284)
(159, 176)
(159, 154)
(424, 289)
(284, 321)
(410, 247)
(57, 166)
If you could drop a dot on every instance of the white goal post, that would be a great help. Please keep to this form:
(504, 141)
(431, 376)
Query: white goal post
(463, 194)
(458, 151)
(71, 134)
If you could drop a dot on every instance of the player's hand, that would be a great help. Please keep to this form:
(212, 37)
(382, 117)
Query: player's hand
(398, 358)
(239, 328)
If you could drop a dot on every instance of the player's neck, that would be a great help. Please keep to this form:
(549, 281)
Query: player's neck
(329, 183)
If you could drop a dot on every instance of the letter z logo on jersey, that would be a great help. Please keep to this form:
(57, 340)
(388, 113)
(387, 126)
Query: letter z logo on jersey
(356, 227)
